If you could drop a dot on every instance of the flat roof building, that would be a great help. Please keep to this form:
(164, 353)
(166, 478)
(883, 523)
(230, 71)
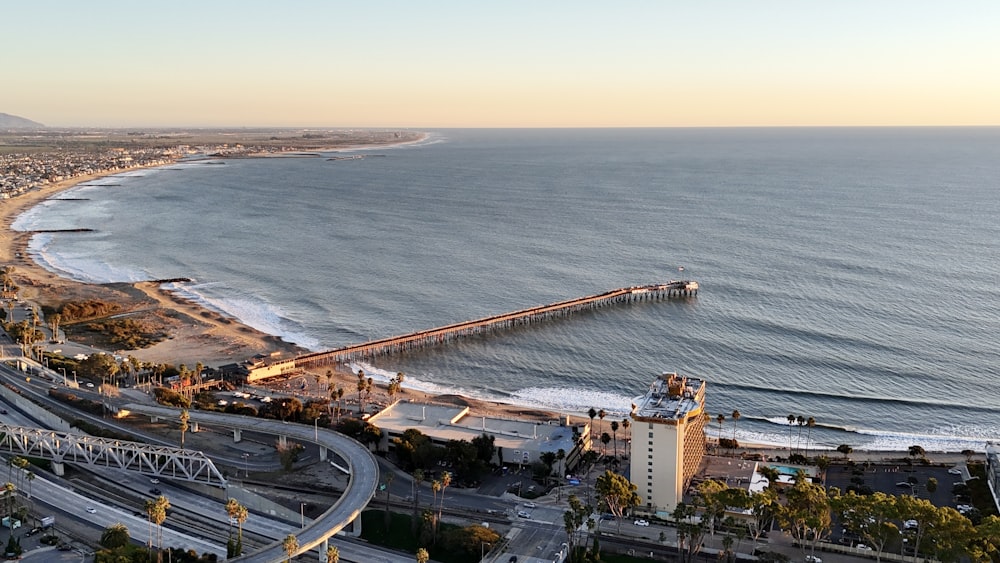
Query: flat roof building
(993, 471)
(668, 440)
(522, 441)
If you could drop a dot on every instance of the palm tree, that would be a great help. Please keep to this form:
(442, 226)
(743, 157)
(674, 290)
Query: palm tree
(614, 435)
(605, 439)
(791, 421)
(423, 556)
(736, 418)
(810, 422)
(418, 477)
(241, 518)
(801, 420)
(361, 390)
(161, 505)
(149, 506)
(601, 414)
(9, 491)
(560, 457)
(332, 554)
(720, 419)
(445, 481)
(435, 488)
(626, 423)
(388, 484)
(185, 417)
(290, 544)
(232, 505)
(54, 320)
(115, 536)
(395, 386)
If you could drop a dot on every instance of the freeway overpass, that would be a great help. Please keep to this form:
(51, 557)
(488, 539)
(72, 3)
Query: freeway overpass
(360, 465)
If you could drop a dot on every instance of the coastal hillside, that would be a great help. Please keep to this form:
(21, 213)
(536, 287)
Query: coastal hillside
(8, 121)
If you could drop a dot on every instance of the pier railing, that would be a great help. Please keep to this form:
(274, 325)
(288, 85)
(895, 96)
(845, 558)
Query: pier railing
(440, 335)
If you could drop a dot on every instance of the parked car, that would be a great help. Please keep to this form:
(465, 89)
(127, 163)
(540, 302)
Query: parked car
(955, 471)
(813, 559)
(641, 523)
(530, 505)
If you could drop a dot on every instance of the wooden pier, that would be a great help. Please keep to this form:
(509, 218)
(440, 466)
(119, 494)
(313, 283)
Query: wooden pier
(441, 335)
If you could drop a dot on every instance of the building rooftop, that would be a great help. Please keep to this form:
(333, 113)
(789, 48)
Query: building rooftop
(670, 397)
(448, 422)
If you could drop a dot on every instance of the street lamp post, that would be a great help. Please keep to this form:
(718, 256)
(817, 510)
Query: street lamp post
(246, 465)
(63, 370)
(302, 514)
(482, 550)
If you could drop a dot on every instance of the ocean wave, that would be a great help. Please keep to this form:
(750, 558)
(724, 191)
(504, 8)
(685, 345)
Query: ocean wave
(381, 375)
(77, 267)
(248, 310)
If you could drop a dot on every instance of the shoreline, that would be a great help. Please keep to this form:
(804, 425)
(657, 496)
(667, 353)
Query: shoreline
(199, 333)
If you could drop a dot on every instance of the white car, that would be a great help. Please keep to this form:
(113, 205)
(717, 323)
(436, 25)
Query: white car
(813, 559)
(154, 481)
(863, 547)
(91, 510)
(955, 471)
(641, 523)
(910, 524)
(523, 514)
(530, 505)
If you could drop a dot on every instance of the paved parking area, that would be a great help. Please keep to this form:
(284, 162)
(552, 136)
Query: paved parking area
(890, 479)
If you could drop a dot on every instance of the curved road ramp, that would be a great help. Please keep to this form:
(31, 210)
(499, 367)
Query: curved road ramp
(361, 466)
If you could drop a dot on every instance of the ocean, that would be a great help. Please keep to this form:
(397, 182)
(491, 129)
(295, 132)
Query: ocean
(847, 274)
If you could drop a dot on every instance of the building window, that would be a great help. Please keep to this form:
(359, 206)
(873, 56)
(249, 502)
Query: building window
(650, 434)
(650, 427)
(651, 463)
(650, 456)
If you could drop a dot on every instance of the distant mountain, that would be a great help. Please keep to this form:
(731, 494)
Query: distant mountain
(14, 122)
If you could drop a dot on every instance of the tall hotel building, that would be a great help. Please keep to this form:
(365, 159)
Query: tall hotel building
(668, 440)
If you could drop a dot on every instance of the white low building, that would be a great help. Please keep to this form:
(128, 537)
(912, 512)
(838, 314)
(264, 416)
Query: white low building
(519, 441)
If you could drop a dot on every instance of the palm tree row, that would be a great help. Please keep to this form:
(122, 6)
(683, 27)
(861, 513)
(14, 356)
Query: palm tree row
(800, 421)
(602, 436)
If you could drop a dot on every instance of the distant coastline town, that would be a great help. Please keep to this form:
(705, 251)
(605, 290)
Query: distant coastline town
(33, 159)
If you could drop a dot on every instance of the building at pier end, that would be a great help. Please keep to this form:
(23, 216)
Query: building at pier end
(668, 440)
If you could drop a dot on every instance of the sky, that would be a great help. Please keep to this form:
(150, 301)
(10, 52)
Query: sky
(473, 63)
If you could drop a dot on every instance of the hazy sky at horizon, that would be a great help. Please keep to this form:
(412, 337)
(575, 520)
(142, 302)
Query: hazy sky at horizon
(501, 64)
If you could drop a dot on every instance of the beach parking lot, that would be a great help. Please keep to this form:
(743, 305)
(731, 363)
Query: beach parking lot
(888, 478)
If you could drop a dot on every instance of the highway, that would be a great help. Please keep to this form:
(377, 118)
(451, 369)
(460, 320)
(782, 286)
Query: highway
(360, 462)
(361, 486)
